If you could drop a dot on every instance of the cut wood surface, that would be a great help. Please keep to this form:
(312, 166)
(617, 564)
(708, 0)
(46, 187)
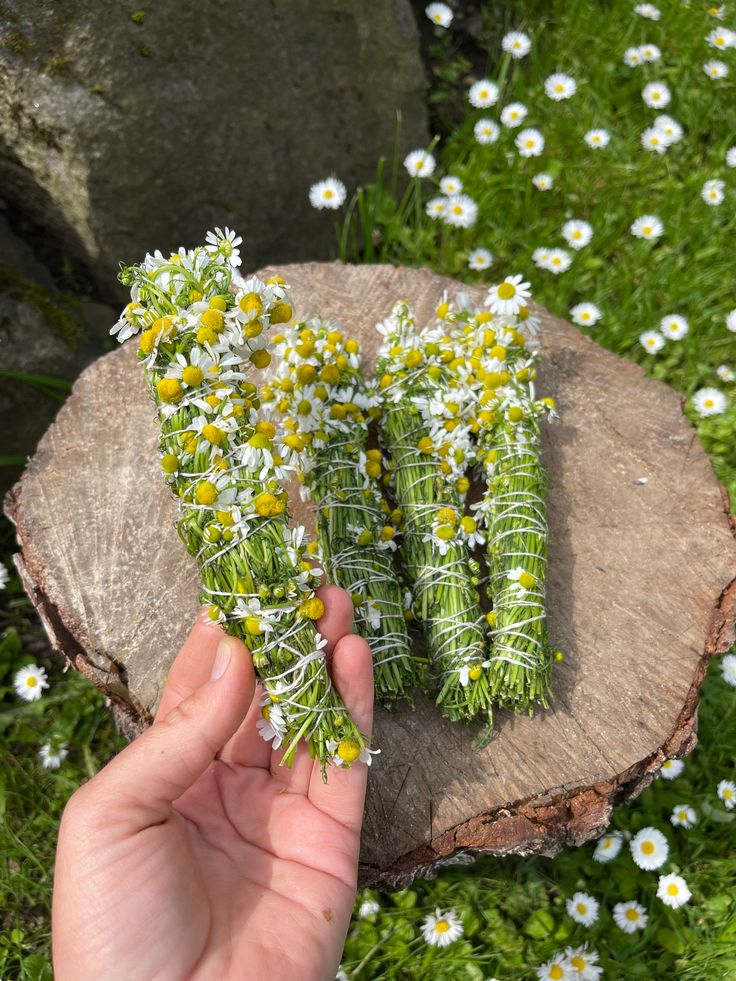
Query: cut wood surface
(640, 593)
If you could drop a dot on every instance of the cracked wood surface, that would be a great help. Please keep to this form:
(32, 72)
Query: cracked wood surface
(640, 589)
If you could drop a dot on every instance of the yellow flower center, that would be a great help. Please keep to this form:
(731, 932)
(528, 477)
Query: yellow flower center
(267, 505)
(581, 908)
(578, 962)
(475, 672)
(169, 463)
(348, 750)
(260, 358)
(329, 193)
(281, 313)
(192, 375)
(31, 681)
(556, 972)
(672, 889)
(441, 926)
(250, 303)
(632, 914)
(169, 390)
(206, 493)
(212, 319)
(647, 847)
(559, 87)
(213, 434)
(312, 608)
(527, 580)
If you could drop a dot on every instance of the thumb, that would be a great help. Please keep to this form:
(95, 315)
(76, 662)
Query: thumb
(141, 783)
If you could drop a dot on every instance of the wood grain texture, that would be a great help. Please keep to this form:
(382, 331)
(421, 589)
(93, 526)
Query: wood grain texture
(640, 590)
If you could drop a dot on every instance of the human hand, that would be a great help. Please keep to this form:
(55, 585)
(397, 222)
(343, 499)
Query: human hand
(192, 854)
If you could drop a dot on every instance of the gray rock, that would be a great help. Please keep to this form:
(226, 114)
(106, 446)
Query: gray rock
(124, 129)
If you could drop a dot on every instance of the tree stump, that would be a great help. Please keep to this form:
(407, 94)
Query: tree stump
(641, 589)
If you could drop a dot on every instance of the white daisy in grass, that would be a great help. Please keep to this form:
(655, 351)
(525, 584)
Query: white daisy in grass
(673, 891)
(442, 928)
(632, 57)
(584, 963)
(597, 139)
(557, 969)
(716, 69)
(725, 374)
(483, 94)
(486, 131)
(583, 908)
(559, 86)
(608, 847)
(709, 402)
(439, 13)
(329, 193)
(656, 95)
(224, 243)
(506, 299)
(728, 669)
(514, 114)
(683, 816)
(585, 314)
(517, 44)
(461, 211)
(647, 10)
(543, 182)
(717, 13)
(674, 327)
(712, 192)
(451, 185)
(727, 792)
(369, 907)
(436, 208)
(577, 233)
(647, 226)
(670, 127)
(529, 143)
(652, 341)
(671, 769)
(52, 756)
(30, 682)
(721, 38)
(271, 725)
(630, 916)
(731, 157)
(655, 139)
(731, 321)
(540, 256)
(649, 849)
(650, 52)
(419, 163)
(480, 259)
(558, 261)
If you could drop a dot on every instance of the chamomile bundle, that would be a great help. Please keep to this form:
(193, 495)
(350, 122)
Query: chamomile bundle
(322, 401)
(201, 329)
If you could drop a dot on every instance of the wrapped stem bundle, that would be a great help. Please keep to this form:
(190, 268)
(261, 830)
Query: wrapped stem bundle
(320, 398)
(200, 328)
(429, 450)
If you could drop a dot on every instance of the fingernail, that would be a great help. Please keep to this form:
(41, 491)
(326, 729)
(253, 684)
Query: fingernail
(222, 659)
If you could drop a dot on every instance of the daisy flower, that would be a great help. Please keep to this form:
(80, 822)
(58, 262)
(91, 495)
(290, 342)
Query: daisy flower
(583, 908)
(329, 193)
(649, 849)
(451, 185)
(436, 208)
(480, 259)
(516, 43)
(673, 891)
(652, 341)
(560, 86)
(683, 816)
(725, 374)
(558, 969)
(608, 847)
(597, 139)
(630, 916)
(30, 682)
(731, 321)
(540, 257)
(716, 69)
(650, 52)
(52, 757)
(712, 192)
(709, 402)
(225, 244)
(721, 38)
(439, 13)
(585, 314)
(731, 157)
(655, 139)
(674, 327)
(558, 261)
(727, 792)
(483, 94)
(584, 963)
(440, 929)
(486, 131)
(728, 669)
(506, 299)
(543, 182)
(461, 211)
(671, 769)
(647, 10)
(656, 95)
(577, 233)
(632, 57)
(647, 226)
(529, 143)
(514, 114)
(670, 127)
(419, 163)
(368, 907)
